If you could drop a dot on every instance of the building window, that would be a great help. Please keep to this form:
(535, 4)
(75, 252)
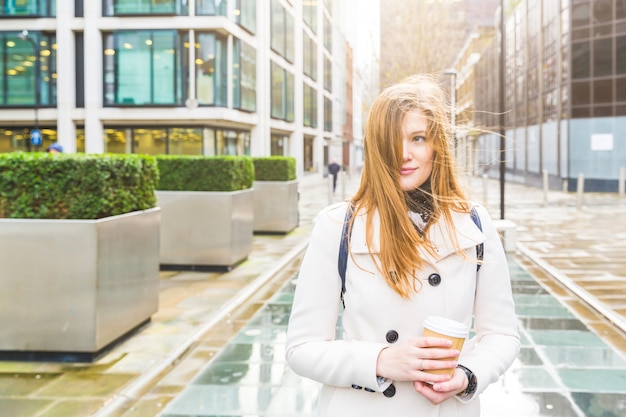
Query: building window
(282, 31)
(581, 57)
(150, 141)
(310, 106)
(307, 155)
(211, 69)
(21, 62)
(244, 76)
(328, 115)
(279, 145)
(210, 7)
(145, 7)
(309, 12)
(228, 142)
(245, 14)
(35, 8)
(328, 34)
(18, 139)
(282, 106)
(143, 68)
(328, 74)
(310, 56)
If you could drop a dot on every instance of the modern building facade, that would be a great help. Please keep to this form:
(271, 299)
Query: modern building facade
(197, 77)
(565, 94)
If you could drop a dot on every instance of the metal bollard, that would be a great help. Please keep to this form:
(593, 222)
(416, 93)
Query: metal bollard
(580, 189)
(621, 184)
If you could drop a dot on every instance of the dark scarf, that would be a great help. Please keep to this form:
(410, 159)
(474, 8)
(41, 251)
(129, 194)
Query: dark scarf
(420, 201)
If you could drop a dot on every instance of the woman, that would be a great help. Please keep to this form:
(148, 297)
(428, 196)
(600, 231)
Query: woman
(412, 253)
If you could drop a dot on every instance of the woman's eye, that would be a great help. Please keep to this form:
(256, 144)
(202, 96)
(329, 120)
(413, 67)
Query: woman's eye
(418, 138)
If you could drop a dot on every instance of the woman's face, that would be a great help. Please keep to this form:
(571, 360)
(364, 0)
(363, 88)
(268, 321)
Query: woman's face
(417, 154)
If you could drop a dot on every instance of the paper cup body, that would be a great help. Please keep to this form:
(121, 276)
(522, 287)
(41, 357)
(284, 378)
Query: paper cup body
(443, 327)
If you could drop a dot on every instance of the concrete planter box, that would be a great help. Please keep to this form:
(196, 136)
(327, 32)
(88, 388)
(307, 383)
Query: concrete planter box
(205, 229)
(275, 206)
(76, 286)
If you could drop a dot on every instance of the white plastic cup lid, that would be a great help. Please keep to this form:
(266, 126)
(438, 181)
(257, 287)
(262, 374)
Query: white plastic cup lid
(446, 326)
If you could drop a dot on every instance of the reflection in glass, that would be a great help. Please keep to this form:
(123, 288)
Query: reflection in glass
(18, 69)
(142, 68)
(185, 141)
(211, 69)
(144, 7)
(211, 7)
(37, 8)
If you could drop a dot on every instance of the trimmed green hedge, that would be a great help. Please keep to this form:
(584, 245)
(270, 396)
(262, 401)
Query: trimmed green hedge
(274, 168)
(204, 173)
(75, 186)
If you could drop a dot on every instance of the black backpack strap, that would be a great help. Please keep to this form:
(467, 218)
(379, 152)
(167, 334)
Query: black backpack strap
(343, 250)
(480, 248)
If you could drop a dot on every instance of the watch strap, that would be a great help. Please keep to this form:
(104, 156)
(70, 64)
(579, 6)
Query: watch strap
(472, 383)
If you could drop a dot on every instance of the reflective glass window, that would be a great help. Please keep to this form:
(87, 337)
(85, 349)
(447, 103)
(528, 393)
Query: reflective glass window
(620, 54)
(211, 7)
(151, 141)
(328, 34)
(309, 14)
(18, 139)
(245, 14)
(279, 145)
(603, 91)
(143, 68)
(581, 60)
(620, 89)
(244, 76)
(282, 93)
(184, 141)
(27, 69)
(310, 106)
(144, 7)
(211, 69)
(310, 56)
(581, 93)
(282, 31)
(602, 57)
(328, 115)
(602, 10)
(581, 14)
(231, 142)
(328, 74)
(43, 8)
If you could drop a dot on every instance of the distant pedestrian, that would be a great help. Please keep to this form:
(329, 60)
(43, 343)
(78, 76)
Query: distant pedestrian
(55, 148)
(333, 169)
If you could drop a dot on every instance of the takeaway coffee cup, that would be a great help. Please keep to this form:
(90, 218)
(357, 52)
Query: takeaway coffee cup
(438, 326)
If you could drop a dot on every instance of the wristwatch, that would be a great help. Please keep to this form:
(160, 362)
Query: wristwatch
(471, 383)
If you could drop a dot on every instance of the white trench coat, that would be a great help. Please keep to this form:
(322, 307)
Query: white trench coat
(373, 309)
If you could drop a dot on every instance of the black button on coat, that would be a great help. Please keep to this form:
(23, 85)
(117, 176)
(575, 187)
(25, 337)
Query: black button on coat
(391, 336)
(434, 279)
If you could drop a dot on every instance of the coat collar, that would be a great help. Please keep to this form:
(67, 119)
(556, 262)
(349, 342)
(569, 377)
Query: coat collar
(467, 233)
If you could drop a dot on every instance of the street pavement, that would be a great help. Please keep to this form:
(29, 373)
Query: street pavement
(574, 248)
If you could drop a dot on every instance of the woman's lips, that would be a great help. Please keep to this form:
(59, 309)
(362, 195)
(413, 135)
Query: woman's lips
(407, 171)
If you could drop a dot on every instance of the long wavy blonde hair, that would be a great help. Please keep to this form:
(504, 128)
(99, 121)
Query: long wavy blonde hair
(380, 191)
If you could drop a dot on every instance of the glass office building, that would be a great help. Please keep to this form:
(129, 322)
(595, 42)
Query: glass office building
(565, 94)
(197, 77)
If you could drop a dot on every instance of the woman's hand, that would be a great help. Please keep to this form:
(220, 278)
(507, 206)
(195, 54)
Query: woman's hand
(407, 361)
(440, 391)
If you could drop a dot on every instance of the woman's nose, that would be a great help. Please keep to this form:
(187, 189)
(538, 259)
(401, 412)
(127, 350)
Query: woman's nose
(406, 155)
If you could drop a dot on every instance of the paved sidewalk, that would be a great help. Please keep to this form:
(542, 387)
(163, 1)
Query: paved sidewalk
(200, 312)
